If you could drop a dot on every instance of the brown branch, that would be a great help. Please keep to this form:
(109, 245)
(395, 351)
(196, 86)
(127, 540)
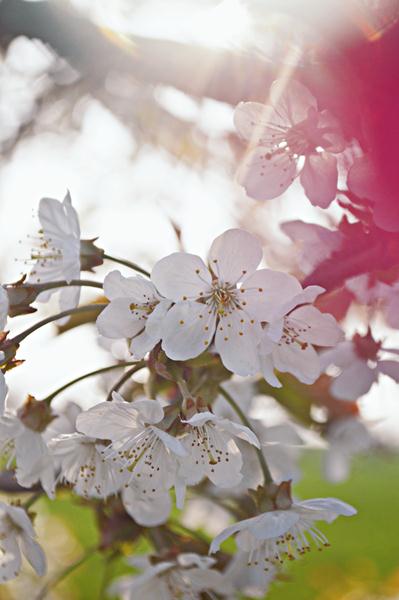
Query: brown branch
(9, 485)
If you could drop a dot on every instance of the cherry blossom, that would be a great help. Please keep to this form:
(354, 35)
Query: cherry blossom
(148, 511)
(372, 292)
(294, 327)
(312, 243)
(211, 452)
(136, 311)
(360, 364)
(287, 138)
(29, 449)
(142, 452)
(252, 583)
(346, 437)
(82, 464)
(284, 533)
(224, 302)
(18, 537)
(185, 577)
(58, 255)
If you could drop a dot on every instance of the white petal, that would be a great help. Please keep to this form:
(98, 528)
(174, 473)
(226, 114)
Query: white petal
(319, 178)
(181, 275)
(320, 328)
(390, 368)
(188, 330)
(272, 524)
(336, 465)
(267, 370)
(332, 138)
(116, 320)
(148, 511)
(266, 291)
(10, 558)
(229, 531)
(240, 431)
(70, 296)
(265, 174)
(170, 442)
(328, 509)
(292, 99)
(34, 461)
(342, 355)
(234, 254)
(200, 418)
(260, 124)
(35, 555)
(58, 219)
(152, 334)
(354, 381)
(314, 243)
(20, 518)
(302, 362)
(236, 341)
(150, 411)
(108, 420)
(138, 289)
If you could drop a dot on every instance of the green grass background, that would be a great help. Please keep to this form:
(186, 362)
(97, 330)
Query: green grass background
(361, 564)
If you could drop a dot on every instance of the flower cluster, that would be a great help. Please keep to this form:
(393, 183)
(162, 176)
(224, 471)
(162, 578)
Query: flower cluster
(206, 337)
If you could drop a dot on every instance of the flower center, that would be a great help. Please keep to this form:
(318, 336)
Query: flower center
(292, 334)
(223, 299)
(141, 312)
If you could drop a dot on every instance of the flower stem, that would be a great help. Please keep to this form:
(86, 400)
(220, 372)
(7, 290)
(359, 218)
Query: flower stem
(265, 469)
(65, 313)
(120, 365)
(64, 573)
(125, 377)
(197, 535)
(28, 503)
(73, 283)
(127, 263)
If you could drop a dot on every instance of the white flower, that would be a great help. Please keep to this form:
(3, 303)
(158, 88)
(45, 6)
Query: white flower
(360, 365)
(210, 305)
(16, 535)
(136, 311)
(276, 535)
(148, 511)
(185, 577)
(30, 451)
(312, 243)
(287, 137)
(281, 446)
(4, 305)
(346, 438)
(82, 464)
(367, 290)
(294, 327)
(211, 452)
(252, 583)
(142, 452)
(58, 255)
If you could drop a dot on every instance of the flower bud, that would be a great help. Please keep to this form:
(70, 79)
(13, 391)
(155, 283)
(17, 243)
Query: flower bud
(35, 414)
